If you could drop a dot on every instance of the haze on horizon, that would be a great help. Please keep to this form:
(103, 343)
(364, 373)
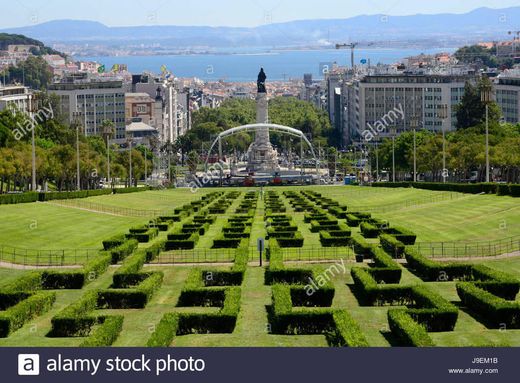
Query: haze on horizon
(235, 13)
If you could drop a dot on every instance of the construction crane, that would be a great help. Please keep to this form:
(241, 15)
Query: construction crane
(352, 46)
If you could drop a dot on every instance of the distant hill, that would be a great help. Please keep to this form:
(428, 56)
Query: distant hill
(480, 24)
(7, 39)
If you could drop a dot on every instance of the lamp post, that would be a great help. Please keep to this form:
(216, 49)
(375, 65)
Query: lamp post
(485, 94)
(442, 114)
(129, 141)
(393, 132)
(377, 162)
(414, 123)
(76, 116)
(33, 107)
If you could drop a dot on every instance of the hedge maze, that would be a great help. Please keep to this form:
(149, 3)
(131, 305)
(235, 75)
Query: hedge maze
(369, 274)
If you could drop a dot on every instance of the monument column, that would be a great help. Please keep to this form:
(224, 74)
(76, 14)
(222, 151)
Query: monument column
(262, 156)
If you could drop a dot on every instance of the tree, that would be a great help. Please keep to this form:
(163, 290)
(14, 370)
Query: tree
(471, 111)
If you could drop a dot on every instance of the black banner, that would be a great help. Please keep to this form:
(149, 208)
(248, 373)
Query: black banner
(302, 365)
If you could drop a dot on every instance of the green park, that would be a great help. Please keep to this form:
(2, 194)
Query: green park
(340, 266)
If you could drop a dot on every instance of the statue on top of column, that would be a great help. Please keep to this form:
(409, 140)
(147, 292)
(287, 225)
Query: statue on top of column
(261, 81)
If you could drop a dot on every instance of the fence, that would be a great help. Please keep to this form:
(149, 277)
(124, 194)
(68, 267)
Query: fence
(196, 256)
(46, 258)
(316, 253)
(127, 212)
(392, 207)
(469, 249)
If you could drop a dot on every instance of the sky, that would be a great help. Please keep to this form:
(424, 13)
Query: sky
(247, 13)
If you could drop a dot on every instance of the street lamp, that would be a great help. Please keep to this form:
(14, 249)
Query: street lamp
(76, 117)
(393, 132)
(485, 94)
(414, 123)
(129, 142)
(33, 108)
(442, 114)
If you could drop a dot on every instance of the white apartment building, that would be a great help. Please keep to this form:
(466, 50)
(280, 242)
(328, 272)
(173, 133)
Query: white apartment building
(369, 99)
(92, 101)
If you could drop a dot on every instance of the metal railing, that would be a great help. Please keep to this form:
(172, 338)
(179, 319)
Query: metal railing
(122, 211)
(46, 258)
(460, 249)
(392, 207)
(196, 256)
(316, 253)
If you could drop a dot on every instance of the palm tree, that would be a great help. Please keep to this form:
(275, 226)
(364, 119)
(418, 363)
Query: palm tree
(108, 129)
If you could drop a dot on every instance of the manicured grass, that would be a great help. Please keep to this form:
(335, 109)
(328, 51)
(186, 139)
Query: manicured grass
(465, 218)
(162, 200)
(44, 226)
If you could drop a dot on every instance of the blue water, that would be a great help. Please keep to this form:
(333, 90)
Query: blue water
(279, 65)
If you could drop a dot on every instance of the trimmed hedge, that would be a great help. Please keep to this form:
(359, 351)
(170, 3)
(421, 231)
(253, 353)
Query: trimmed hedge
(115, 241)
(75, 320)
(77, 278)
(495, 311)
(16, 316)
(181, 241)
(106, 333)
(348, 333)
(335, 238)
(392, 245)
(369, 230)
(165, 331)
(9, 199)
(361, 246)
(407, 331)
(131, 298)
(122, 251)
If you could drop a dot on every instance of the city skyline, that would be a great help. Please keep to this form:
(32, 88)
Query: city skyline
(223, 13)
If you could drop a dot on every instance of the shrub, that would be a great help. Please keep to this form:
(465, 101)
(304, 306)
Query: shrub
(361, 246)
(7, 199)
(335, 238)
(228, 243)
(405, 236)
(496, 311)
(131, 298)
(16, 316)
(392, 245)
(122, 251)
(165, 331)
(514, 190)
(106, 333)
(295, 241)
(144, 237)
(407, 330)
(154, 250)
(347, 331)
(181, 241)
(369, 230)
(28, 282)
(75, 320)
(115, 241)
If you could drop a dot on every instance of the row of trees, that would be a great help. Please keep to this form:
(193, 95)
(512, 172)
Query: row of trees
(464, 148)
(56, 156)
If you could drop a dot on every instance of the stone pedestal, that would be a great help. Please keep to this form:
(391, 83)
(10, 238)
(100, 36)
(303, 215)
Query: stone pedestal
(262, 157)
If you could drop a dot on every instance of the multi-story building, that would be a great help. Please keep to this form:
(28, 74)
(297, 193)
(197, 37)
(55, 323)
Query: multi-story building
(17, 97)
(371, 99)
(92, 101)
(507, 90)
